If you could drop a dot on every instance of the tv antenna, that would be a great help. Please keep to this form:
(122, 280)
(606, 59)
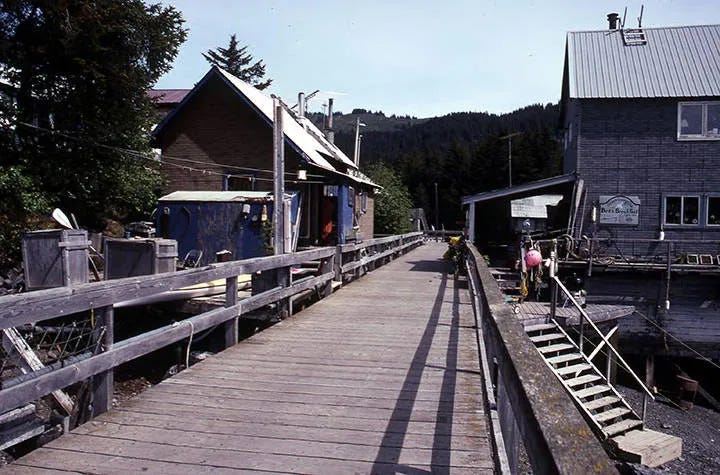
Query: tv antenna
(622, 25)
(642, 8)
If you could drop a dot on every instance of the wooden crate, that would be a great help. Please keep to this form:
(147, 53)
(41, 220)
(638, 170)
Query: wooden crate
(55, 258)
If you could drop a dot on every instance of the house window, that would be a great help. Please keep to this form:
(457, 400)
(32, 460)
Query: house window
(713, 211)
(698, 121)
(682, 210)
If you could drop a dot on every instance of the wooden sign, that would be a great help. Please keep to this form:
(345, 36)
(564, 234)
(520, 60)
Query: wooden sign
(619, 209)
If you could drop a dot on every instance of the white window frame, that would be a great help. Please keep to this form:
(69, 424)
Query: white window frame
(706, 214)
(703, 133)
(682, 196)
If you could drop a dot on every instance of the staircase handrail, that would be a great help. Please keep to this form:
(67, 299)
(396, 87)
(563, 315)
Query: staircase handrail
(597, 330)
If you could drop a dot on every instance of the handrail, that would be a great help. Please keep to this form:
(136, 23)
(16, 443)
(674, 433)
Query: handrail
(585, 316)
(532, 405)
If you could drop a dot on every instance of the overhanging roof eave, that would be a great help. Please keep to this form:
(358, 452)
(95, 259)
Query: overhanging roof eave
(516, 190)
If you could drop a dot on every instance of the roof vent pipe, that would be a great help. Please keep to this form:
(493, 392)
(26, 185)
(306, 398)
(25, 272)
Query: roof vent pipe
(330, 133)
(613, 19)
(301, 104)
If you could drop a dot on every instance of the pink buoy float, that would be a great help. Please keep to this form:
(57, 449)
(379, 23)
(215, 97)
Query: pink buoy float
(533, 258)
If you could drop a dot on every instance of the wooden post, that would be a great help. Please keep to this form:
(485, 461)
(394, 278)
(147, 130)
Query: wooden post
(650, 370)
(471, 222)
(326, 266)
(279, 181)
(284, 279)
(103, 383)
(337, 263)
(231, 326)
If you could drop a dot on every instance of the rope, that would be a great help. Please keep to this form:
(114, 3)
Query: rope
(190, 339)
(693, 350)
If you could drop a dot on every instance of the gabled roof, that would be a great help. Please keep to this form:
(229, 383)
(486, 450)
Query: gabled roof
(673, 62)
(302, 135)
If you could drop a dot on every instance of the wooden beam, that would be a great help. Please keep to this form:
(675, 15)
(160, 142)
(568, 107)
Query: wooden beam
(30, 307)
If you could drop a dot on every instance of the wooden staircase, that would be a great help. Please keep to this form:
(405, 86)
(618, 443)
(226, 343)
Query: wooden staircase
(616, 424)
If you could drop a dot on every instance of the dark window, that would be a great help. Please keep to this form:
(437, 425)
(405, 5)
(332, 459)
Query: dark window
(673, 210)
(713, 213)
(240, 183)
(683, 210)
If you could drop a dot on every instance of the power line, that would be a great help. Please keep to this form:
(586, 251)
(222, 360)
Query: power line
(146, 156)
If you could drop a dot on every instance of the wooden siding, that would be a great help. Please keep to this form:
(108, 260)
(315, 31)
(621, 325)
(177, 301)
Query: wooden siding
(216, 131)
(630, 147)
(381, 377)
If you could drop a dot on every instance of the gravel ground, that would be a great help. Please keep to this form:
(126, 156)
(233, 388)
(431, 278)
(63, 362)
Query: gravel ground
(699, 428)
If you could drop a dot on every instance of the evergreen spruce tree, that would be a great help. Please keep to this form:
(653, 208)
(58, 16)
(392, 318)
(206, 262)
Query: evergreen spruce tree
(238, 62)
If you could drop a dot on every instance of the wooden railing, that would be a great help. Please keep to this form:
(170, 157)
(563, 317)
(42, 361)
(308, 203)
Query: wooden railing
(32, 307)
(353, 260)
(527, 403)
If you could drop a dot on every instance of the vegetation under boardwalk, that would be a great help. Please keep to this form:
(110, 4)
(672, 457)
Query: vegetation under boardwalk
(380, 377)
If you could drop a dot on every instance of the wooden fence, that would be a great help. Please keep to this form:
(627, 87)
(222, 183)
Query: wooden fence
(336, 263)
(527, 403)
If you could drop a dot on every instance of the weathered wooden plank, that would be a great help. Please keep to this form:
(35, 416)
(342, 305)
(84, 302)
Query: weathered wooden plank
(460, 427)
(270, 431)
(286, 400)
(18, 309)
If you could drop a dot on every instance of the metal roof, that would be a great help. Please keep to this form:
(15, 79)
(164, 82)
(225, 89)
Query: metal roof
(679, 61)
(520, 189)
(218, 196)
(168, 96)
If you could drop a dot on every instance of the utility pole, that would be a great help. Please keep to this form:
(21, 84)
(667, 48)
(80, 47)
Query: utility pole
(509, 139)
(279, 181)
(437, 210)
(358, 124)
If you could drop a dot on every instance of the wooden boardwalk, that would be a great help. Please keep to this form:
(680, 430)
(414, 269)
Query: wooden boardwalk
(380, 377)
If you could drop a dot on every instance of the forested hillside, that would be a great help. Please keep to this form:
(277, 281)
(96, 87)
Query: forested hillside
(461, 152)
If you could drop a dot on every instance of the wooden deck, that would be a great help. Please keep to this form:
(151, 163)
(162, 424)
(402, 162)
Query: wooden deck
(380, 377)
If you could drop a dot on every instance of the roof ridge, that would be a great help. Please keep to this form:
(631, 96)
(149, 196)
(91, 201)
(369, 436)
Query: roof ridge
(645, 28)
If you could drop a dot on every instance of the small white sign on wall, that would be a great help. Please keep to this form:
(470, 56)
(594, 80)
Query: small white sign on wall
(619, 209)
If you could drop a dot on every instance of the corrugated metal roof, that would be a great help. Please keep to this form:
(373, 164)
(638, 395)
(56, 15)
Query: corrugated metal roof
(675, 62)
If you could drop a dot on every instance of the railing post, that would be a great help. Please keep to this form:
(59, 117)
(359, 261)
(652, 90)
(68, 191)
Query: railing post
(582, 331)
(338, 263)
(284, 279)
(103, 383)
(231, 298)
(326, 265)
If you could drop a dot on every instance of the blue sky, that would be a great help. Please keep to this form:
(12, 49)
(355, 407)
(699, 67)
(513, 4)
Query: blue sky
(422, 58)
